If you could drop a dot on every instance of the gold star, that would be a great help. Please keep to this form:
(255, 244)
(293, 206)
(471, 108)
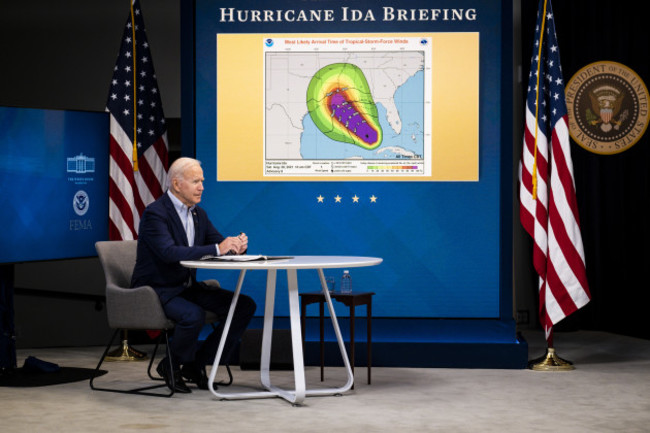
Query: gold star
(373, 199)
(320, 198)
(337, 198)
(355, 199)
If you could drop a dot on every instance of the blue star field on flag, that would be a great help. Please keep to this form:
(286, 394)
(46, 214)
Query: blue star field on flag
(552, 105)
(150, 121)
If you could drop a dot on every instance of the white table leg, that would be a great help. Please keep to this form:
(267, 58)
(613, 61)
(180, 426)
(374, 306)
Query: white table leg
(339, 338)
(293, 396)
(224, 334)
(296, 336)
(266, 352)
(297, 395)
(267, 333)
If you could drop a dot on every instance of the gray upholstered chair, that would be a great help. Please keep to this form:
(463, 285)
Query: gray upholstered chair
(136, 308)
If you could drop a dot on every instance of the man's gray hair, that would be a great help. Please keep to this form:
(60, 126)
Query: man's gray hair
(178, 167)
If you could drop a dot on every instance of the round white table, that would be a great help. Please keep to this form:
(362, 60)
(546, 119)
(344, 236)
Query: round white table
(291, 265)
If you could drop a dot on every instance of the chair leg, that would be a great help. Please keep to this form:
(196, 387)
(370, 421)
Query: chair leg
(153, 356)
(229, 377)
(141, 390)
(101, 360)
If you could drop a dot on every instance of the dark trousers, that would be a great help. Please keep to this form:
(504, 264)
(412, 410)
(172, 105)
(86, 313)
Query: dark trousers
(188, 311)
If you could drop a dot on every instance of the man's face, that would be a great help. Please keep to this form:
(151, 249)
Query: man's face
(190, 187)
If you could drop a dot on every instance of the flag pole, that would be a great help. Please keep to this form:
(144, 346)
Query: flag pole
(550, 361)
(135, 95)
(125, 352)
(541, 209)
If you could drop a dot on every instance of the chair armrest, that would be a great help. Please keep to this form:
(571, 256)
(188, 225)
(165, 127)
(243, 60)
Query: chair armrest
(212, 284)
(135, 308)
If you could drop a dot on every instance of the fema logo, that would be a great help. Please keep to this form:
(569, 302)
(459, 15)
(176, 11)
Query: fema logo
(607, 106)
(80, 202)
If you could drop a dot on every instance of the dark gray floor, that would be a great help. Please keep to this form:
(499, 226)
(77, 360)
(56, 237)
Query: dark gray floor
(609, 391)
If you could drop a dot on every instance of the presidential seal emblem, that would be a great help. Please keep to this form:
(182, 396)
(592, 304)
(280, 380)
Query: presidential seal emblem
(607, 104)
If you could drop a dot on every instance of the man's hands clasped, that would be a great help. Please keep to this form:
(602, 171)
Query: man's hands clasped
(234, 244)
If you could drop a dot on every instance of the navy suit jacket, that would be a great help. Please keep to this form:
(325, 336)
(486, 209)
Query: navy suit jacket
(162, 244)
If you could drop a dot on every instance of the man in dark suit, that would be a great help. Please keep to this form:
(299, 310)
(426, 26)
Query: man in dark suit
(172, 229)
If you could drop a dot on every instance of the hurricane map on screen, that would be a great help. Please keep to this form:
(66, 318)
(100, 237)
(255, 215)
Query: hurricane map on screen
(347, 106)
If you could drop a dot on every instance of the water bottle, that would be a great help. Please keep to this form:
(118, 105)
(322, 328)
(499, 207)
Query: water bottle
(346, 282)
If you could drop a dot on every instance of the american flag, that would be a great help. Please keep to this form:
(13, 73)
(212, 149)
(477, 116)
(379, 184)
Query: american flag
(548, 208)
(138, 140)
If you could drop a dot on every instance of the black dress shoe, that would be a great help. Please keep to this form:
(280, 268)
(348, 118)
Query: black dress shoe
(195, 374)
(177, 384)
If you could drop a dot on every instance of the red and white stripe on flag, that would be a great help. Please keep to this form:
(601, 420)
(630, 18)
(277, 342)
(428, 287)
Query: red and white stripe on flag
(136, 115)
(548, 207)
(131, 191)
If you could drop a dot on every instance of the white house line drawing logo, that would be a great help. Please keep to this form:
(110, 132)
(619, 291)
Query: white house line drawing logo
(81, 164)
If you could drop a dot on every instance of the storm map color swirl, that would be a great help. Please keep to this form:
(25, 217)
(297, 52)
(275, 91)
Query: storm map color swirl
(347, 106)
(340, 103)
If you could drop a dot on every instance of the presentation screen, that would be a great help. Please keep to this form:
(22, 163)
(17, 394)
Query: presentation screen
(368, 128)
(54, 183)
(346, 106)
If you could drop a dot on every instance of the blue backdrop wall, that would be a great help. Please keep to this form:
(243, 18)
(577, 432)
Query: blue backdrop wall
(445, 240)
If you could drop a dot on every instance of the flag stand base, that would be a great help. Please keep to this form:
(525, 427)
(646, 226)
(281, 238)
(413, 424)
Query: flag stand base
(550, 362)
(126, 353)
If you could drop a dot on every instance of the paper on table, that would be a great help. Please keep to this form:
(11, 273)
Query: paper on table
(242, 258)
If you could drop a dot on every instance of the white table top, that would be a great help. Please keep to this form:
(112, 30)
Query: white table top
(296, 262)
